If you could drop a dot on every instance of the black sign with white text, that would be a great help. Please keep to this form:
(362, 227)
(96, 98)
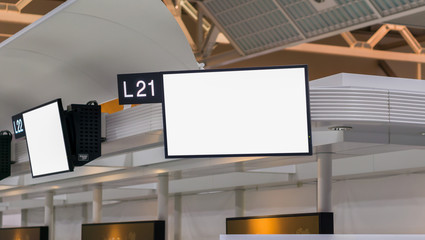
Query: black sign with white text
(140, 88)
(18, 126)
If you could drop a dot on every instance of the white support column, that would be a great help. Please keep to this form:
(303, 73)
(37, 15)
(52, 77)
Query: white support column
(239, 202)
(24, 218)
(177, 216)
(49, 214)
(24, 213)
(97, 203)
(84, 212)
(85, 207)
(324, 182)
(162, 192)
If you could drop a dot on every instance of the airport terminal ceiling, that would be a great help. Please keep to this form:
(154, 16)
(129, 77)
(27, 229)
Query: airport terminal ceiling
(217, 51)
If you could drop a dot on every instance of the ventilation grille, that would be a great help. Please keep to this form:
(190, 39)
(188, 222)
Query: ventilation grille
(87, 122)
(122, 124)
(5, 141)
(349, 104)
(257, 25)
(407, 107)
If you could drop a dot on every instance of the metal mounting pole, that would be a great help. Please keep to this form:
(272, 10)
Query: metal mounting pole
(324, 182)
(97, 203)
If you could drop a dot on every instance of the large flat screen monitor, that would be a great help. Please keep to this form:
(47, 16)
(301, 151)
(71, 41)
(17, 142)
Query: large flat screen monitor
(237, 112)
(47, 140)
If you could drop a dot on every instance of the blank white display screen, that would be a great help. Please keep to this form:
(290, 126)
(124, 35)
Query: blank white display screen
(45, 140)
(240, 112)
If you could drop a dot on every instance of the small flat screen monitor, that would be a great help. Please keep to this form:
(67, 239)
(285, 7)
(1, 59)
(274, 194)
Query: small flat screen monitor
(237, 112)
(47, 139)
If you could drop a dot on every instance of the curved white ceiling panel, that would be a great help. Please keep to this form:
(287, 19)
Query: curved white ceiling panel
(76, 51)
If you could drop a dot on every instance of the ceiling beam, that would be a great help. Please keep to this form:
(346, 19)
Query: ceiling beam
(5, 35)
(358, 52)
(386, 68)
(16, 17)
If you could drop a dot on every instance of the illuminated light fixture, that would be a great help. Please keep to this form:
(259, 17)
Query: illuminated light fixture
(422, 133)
(340, 128)
(210, 192)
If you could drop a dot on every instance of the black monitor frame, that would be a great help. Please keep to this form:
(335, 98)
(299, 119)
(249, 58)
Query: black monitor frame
(310, 145)
(65, 136)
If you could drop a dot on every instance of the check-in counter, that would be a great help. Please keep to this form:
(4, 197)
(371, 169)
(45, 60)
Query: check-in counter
(24, 233)
(324, 237)
(146, 230)
(306, 223)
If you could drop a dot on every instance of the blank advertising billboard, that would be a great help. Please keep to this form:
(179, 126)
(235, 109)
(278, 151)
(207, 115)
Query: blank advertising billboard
(46, 139)
(237, 112)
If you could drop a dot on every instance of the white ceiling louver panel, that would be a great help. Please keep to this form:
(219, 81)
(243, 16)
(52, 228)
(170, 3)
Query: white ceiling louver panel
(313, 22)
(350, 104)
(254, 26)
(122, 124)
(407, 107)
(388, 7)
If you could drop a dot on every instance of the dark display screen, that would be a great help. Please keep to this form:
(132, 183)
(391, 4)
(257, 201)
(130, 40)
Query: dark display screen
(149, 230)
(27, 233)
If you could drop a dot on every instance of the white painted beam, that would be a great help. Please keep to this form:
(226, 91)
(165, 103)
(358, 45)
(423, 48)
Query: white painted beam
(376, 164)
(30, 203)
(227, 180)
